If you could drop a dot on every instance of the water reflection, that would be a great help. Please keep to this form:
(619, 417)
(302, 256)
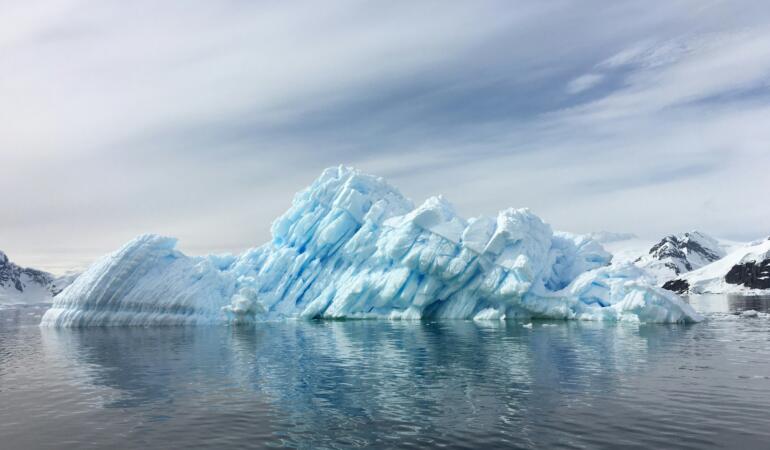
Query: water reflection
(364, 381)
(389, 384)
(730, 303)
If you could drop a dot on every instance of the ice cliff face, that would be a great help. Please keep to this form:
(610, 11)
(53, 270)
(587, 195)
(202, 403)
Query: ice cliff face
(351, 246)
(25, 285)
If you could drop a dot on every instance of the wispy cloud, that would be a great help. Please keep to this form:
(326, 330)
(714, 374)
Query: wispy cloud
(201, 119)
(584, 82)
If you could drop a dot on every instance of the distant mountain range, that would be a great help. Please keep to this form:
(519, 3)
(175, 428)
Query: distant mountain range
(678, 254)
(25, 285)
(694, 262)
(747, 268)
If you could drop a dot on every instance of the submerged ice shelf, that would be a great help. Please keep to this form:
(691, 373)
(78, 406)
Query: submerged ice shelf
(351, 246)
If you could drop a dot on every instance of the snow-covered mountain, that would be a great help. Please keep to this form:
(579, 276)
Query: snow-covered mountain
(678, 254)
(695, 262)
(744, 270)
(25, 285)
(352, 246)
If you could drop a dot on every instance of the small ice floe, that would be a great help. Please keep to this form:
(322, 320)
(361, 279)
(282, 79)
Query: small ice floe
(527, 325)
(749, 313)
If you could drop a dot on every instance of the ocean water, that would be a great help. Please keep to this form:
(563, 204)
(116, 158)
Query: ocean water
(348, 384)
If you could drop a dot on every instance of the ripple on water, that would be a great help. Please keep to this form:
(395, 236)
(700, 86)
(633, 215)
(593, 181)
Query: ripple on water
(389, 384)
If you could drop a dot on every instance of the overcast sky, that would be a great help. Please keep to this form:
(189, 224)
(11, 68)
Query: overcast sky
(200, 119)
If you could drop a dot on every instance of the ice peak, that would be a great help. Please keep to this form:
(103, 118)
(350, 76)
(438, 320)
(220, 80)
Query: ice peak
(340, 193)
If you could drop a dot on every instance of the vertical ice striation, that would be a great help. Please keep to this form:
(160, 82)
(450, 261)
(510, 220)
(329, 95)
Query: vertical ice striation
(145, 282)
(351, 246)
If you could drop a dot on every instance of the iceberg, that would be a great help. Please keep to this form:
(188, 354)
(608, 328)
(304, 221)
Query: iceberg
(352, 246)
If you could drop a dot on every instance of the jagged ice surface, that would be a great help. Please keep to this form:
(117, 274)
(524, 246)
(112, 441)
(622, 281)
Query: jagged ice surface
(351, 246)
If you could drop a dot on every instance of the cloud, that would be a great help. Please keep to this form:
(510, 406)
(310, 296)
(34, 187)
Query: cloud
(709, 66)
(584, 82)
(201, 119)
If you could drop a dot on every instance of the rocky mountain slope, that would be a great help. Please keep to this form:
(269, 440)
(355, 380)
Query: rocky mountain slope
(744, 270)
(24, 285)
(678, 254)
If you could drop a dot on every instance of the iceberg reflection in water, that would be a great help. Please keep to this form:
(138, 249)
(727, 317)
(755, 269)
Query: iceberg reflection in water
(383, 383)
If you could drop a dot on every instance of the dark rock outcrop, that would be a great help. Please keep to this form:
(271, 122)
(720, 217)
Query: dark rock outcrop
(677, 285)
(754, 275)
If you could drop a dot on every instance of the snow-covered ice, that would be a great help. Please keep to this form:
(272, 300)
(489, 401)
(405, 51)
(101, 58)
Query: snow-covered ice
(351, 246)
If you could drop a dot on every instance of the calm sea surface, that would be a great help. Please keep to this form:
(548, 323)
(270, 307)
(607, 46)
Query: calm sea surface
(346, 384)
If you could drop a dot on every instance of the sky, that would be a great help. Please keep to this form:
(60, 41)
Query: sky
(201, 119)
